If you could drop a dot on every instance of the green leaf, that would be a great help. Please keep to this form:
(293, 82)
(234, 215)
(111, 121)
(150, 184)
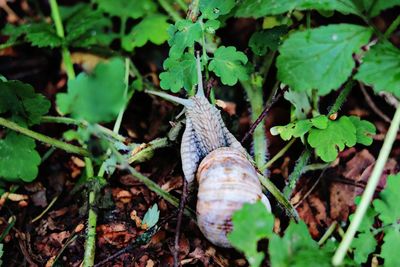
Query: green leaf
(390, 248)
(328, 142)
(22, 103)
(382, 58)
(212, 9)
(320, 58)
(179, 73)
(97, 97)
(250, 224)
(301, 103)
(183, 34)
(388, 204)
(297, 248)
(127, 8)
(18, 158)
(364, 130)
(151, 217)
(151, 29)
(257, 9)
(363, 245)
(270, 39)
(374, 7)
(299, 128)
(228, 64)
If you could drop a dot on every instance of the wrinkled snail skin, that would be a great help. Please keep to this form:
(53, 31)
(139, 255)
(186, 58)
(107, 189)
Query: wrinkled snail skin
(226, 180)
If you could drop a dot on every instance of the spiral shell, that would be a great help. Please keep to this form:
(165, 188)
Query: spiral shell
(226, 180)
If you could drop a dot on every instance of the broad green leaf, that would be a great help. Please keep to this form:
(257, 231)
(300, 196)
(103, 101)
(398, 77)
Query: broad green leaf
(20, 101)
(270, 39)
(364, 130)
(363, 245)
(212, 9)
(183, 34)
(250, 224)
(382, 58)
(388, 204)
(257, 9)
(151, 29)
(96, 97)
(18, 158)
(390, 248)
(228, 64)
(180, 73)
(301, 103)
(374, 7)
(297, 249)
(320, 58)
(299, 128)
(328, 142)
(151, 217)
(127, 8)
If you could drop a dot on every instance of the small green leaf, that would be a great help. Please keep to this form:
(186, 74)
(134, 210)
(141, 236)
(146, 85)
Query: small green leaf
(263, 40)
(212, 9)
(299, 128)
(151, 29)
(257, 9)
(382, 58)
(127, 8)
(328, 142)
(364, 244)
(97, 97)
(297, 248)
(388, 203)
(183, 34)
(364, 130)
(250, 224)
(18, 158)
(180, 73)
(390, 248)
(301, 102)
(228, 64)
(22, 103)
(320, 58)
(151, 217)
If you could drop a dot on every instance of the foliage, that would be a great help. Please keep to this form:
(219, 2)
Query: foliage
(151, 217)
(97, 97)
(269, 39)
(126, 8)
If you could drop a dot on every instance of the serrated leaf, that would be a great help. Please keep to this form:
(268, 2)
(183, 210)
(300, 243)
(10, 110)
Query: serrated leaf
(364, 130)
(382, 58)
(183, 34)
(297, 248)
(22, 103)
(250, 224)
(18, 158)
(270, 39)
(320, 58)
(390, 248)
(180, 73)
(328, 142)
(257, 9)
(212, 9)
(363, 245)
(97, 97)
(127, 8)
(228, 64)
(151, 29)
(151, 217)
(389, 199)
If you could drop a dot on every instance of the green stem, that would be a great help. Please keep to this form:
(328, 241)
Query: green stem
(10, 44)
(278, 155)
(342, 97)
(328, 233)
(118, 122)
(148, 151)
(43, 138)
(392, 27)
(296, 173)
(369, 190)
(90, 243)
(170, 10)
(55, 14)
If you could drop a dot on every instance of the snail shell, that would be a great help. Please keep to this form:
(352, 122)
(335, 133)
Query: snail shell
(226, 180)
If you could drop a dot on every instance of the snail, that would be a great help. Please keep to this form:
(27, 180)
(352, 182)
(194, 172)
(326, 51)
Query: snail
(225, 173)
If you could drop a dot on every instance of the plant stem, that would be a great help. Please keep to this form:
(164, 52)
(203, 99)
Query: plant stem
(369, 190)
(45, 210)
(148, 150)
(182, 4)
(392, 27)
(44, 138)
(328, 233)
(118, 122)
(170, 10)
(90, 243)
(278, 155)
(55, 14)
(296, 173)
(341, 98)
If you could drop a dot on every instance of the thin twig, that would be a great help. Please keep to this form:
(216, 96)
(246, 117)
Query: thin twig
(372, 105)
(179, 222)
(278, 155)
(328, 233)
